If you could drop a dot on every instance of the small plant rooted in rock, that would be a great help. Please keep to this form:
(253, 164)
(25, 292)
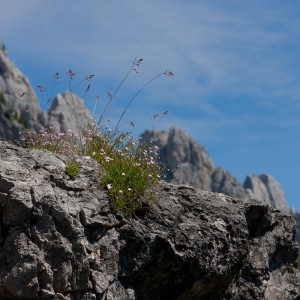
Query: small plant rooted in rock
(131, 168)
(72, 168)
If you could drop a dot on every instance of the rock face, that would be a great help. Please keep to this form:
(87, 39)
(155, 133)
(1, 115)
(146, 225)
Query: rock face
(66, 110)
(224, 182)
(266, 189)
(59, 239)
(296, 215)
(188, 163)
(19, 108)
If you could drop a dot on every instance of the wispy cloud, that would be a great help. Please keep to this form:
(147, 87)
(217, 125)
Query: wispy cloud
(235, 50)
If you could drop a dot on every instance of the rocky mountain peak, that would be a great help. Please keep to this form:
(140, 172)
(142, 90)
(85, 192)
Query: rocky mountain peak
(189, 163)
(186, 162)
(66, 110)
(19, 107)
(265, 188)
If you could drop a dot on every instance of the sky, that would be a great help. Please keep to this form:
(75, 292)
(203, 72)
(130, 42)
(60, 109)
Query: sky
(236, 66)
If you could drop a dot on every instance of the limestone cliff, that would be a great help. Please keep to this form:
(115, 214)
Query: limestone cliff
(268, 190)
(60, 240)
(19, 108)
(66, 110)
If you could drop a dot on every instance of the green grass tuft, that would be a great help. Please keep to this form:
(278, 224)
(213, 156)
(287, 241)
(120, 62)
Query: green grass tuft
(131, 168)
(72, 168)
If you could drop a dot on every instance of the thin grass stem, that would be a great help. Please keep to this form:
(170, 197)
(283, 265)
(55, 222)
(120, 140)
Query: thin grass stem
(136, 94)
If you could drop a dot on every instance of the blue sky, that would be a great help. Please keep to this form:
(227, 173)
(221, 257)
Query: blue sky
(236, 88)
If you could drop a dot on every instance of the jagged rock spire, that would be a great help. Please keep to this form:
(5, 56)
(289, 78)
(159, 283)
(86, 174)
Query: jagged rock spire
(66, 110)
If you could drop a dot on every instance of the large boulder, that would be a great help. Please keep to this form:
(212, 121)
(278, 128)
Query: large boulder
(59, 239)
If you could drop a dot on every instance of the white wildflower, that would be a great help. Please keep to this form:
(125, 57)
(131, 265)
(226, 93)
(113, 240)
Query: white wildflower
(108, 159)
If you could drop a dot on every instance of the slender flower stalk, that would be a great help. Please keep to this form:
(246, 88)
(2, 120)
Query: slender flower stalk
(136, 63)
(70, 77)
(132, 99)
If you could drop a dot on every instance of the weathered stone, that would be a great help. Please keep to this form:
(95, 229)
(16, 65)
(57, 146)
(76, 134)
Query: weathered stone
(68, 112)
(185, 161)
(296, 215)
(20, 111)
(62, 241)
(266, 189)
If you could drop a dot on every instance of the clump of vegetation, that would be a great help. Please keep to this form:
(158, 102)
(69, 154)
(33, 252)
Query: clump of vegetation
(298, 262)
(72, 168)
(131, 168)
(52, 139)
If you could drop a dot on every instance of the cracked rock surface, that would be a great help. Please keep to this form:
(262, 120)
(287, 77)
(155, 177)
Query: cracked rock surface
(60, 240)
